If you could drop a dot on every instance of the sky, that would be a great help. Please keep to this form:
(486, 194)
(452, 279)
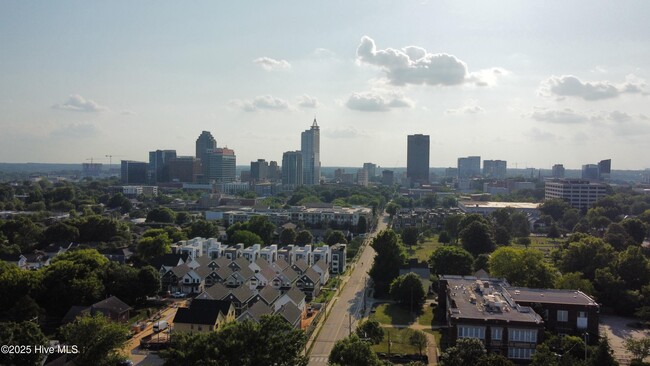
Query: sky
(535, 83)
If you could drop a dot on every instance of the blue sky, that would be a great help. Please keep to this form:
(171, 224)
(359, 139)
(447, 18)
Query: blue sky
(529, 82)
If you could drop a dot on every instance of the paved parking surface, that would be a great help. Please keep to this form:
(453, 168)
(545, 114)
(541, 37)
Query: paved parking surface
(616, 328)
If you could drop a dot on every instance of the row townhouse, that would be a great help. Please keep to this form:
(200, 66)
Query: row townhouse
(307, 215)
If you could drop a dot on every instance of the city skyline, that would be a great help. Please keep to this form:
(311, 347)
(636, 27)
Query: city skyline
(535, 84)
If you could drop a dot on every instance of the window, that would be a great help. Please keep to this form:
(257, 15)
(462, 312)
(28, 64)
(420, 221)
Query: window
(522, 335)
(562, 316)
(497, 333)
(582, 320)
(465, 331)
(520, 353)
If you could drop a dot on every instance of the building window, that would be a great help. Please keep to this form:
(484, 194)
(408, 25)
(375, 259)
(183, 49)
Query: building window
(562, 315)
(465, 331)
(582, 320)
(520, 353)
(522, 335)
(497, 333)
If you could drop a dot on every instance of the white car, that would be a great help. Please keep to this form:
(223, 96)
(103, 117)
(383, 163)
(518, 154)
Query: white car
(178, 295)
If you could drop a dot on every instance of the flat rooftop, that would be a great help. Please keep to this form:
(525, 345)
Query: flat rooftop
(495, 205)
(483, 299)
(550, 296)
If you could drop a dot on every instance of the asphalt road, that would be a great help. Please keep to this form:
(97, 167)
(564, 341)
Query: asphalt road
(348, 308)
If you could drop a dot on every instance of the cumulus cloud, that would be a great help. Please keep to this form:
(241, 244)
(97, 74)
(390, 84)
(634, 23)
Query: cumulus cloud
(377, 101)
(78, 103)
(415, 65)
(261, 102)
(570, 86)
(271, 64)
(563, 116)
(306, 101)
(469, 109)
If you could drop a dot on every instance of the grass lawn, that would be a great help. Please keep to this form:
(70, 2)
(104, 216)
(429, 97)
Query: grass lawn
(423, 251)
(427, 316)
(391, 314)
(399, 342)
(436, 334)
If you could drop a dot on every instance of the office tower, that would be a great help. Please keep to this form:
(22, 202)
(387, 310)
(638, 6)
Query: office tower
(274, 173)
(495, 169)
(158, 165)
(292, 168)
(604, 169)
(469, 167)
(558, 171)
(219, 165)
(310, 147)
(387, 178)
(259, 170)
(362, 177)
(590, 172)
(417, 158)
(372, 170)
(184, 169)
(204, 142)
(579, 193)
(134, 172)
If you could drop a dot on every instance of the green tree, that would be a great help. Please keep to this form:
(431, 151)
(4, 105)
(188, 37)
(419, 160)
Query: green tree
(554, 208)
(467, 351)
(520, 224)
(371, 330)
(60, 232)
(162, 214)
(352, 351)
(362, 224)
(586, 256)
(410, 236)
(335, 237)
(246, 237)
(388, 258)
(633, 267)
(602, 355)
(183, 218)
(482, 262)
(304, 237)
(444, 237)
(636, 229)
(522, 267)
(392, 209)
(616, 236)
(262, 226)
(553, 232)
(203, 229)
(476, 238)
(120, 201)
(451, 225)
(22, 334)
(493, 359)
(407, 291)
(451, 260)
(639, 348)
(419, 340)
(288, 236)
(150, 247)
(574, 281)
(96, 337)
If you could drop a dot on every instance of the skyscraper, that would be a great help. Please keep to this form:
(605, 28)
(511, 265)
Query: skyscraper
(495, 169)
(417, 158)
(204, 143)
(310, 148)
(292, 168)
(469, 167)
(558, 171)
(159, 165)
(259, 170)
(220, 165)
(134, 172)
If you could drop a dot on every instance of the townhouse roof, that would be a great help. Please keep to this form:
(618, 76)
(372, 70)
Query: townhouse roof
(290, 312)
(202, 311)
(295, 295)
(290, 274)
(269, 294)
(312, 275)
(168, 260)
(300, 265)
(181, 270)
(279, 265)
(112, 304)
(257, 310)
(217, 291)
(321, 264)
(242, 293)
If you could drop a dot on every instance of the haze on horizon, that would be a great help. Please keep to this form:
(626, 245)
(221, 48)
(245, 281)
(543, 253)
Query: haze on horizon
(534, 83)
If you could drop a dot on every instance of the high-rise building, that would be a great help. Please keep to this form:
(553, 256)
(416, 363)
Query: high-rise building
(372, 170)
(274, 173)
(558, 171)
(590, 171)
(159, 165)
(310, 148)
(387, 178)
(292, 168)
(579, 193)
(259, 170)
(184, 169)
(417, 158)
(91, 169)
(204, 142)
(495, 169)
(219, 165)
(362, 177)
(134, 172)
(604, 169)
(469, 167)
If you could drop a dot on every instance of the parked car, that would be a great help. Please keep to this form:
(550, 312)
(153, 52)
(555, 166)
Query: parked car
(178, 295)
(160, 326)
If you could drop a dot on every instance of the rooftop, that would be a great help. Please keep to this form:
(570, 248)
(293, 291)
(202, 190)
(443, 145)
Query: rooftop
(495, 205)
(550, 296)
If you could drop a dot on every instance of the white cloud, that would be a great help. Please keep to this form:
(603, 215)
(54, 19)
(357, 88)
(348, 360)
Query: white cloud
(78, 103)
(377, 101)
(261, 102)
(469, 109)
(306, 101)
(414, 65)
(270, 64)
(563, 116)
(570, 86)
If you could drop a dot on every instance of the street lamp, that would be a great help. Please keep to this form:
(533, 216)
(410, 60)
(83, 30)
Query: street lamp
(586, 338)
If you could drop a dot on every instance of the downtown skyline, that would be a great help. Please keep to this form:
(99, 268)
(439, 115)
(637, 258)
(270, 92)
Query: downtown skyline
(532, 83)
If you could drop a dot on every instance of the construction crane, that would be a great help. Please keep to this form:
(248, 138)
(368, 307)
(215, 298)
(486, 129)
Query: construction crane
(110, 159)
(93, 159)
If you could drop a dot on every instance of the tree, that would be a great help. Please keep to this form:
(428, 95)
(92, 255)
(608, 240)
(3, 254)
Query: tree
(451, 260)
(603, 355)
(585, 256)
(335, 237)
(501, 236)
(371, 330)
(467, 351)
(419, 340)
(493, 359)
(633, 267)
(262, 226)
(388, 258)
(151, 247)
(522, 267)
(553, 232)
(407, 291)
(22, 334)
(476, 238)
(120, 201)
(352, 351)
(616, 236)
(636, 229)
(639, 348)
(410, 236)
(392, 209)
(574, 281)
(60, 232)
(554, 208)
(203, 229)
(246, 237)
(162, 214)
(482, 262)
(451, 225)
(183, 218)
(304, 237)
(96, 337)
(444, 237)
(148, 281)
(520, 224)
(288, 236)
(362, 224)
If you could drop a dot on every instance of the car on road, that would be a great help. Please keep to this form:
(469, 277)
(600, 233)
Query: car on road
(178, 295)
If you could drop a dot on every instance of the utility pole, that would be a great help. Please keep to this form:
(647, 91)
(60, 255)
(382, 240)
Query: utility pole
(388, 330)
(349, 324)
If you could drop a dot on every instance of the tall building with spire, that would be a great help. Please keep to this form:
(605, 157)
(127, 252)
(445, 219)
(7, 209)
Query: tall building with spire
(204, 143)
(310, 147)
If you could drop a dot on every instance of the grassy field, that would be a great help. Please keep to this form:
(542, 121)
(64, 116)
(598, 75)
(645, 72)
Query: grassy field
(427, 316)
(391, 314)
(399, 342)
(423, 251)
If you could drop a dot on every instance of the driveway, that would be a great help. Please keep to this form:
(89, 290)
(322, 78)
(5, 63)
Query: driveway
(616, 328)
